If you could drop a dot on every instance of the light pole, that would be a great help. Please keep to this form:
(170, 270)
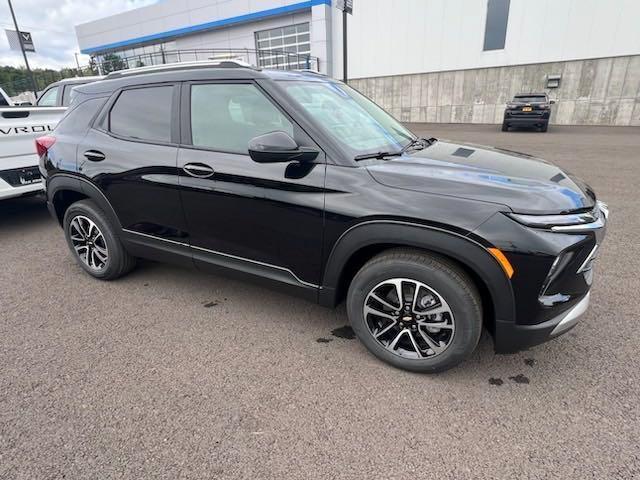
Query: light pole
(347, 9)
(344, 45)
(24, 54)
(78, 64)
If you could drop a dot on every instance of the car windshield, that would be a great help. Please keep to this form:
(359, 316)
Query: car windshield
(349, 117)
(531, 99)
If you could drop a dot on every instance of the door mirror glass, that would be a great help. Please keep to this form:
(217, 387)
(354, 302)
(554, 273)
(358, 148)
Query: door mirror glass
(276, 147)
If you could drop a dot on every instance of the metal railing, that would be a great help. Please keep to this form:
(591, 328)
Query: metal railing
(110, 62)
(276, 59)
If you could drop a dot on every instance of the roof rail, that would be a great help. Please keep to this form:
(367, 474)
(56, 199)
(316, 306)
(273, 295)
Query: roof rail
(309, 70)
(179, 66)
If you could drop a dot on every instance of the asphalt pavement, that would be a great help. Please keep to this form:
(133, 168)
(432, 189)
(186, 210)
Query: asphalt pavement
(170, 373)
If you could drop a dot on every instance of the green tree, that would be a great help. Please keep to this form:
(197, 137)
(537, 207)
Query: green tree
(112, 62)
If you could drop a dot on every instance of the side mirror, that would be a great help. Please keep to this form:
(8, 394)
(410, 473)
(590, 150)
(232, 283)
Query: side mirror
(278, 147)
(552, 102)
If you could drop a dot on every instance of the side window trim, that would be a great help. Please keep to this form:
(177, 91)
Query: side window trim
(185, 116)
(102, 120)
(66, 93)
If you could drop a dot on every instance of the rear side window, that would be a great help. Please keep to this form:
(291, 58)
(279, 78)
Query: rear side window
(143, 114)
(76, 119)
(226, 116)
(49, 98)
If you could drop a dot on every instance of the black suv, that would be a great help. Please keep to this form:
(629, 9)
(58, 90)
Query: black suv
(528, 110)
(297, 180)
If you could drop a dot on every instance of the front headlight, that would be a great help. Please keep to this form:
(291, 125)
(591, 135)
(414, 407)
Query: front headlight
(571, 222)
(549, 221)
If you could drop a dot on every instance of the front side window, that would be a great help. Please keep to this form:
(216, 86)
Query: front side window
(143, 114)
(355, 121)
(49, 98)
(226, 117)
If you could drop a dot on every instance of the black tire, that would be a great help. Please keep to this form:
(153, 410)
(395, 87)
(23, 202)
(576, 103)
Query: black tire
(505, 127)
(440, 274)
(544, 127)
(118, 261)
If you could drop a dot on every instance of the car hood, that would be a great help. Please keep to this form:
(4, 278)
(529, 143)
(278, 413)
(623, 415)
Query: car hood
(523, 183)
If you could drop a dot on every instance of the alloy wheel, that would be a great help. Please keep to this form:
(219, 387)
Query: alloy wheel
(409, 318)
(88, 242)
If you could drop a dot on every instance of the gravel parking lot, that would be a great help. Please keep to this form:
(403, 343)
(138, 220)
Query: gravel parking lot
(170, 373)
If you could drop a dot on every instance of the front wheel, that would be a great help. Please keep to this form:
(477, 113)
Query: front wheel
(505, 127)
(416, 311)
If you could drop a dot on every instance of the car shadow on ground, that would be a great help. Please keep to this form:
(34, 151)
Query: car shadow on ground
(327, 329)
(23, 211)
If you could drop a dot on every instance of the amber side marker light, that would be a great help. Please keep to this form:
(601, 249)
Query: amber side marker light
(502, 260)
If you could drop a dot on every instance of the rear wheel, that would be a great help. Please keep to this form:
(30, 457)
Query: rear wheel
(93, 242)
(416, 311)
(544, 127)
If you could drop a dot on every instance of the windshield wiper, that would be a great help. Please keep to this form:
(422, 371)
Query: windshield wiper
(422, 142)
(379, 155)
(418, 142)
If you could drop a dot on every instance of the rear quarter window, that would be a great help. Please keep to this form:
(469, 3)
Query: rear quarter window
(78, 118)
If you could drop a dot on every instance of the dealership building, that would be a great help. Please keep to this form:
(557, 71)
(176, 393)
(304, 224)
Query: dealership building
(422, 60)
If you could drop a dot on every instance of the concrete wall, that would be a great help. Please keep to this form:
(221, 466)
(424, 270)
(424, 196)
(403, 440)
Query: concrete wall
(604, 91)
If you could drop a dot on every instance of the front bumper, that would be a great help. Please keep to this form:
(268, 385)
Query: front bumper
(526, 119)
(552, 284)
(512, 337)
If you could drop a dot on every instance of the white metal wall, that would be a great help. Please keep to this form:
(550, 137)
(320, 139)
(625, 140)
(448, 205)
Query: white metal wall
(169, 15)
(394, 37)
(238, 36)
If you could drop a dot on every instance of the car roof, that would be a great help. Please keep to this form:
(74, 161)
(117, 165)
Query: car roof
(77, 80)
(194, 71)
(533, 94)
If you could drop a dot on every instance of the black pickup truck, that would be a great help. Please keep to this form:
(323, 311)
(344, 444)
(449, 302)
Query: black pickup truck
(528, 110)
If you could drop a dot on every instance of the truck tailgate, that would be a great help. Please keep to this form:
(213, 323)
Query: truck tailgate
(19, 127)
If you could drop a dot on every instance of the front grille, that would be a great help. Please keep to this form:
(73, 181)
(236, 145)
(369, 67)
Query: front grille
(19, 177)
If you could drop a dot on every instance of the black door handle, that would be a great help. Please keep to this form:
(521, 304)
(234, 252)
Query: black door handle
(198, 170)
(94, 155)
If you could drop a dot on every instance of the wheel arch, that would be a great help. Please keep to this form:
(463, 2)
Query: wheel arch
(363, 241)
(64, 190)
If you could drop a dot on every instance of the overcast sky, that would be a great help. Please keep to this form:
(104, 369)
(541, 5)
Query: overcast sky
(51, 23)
